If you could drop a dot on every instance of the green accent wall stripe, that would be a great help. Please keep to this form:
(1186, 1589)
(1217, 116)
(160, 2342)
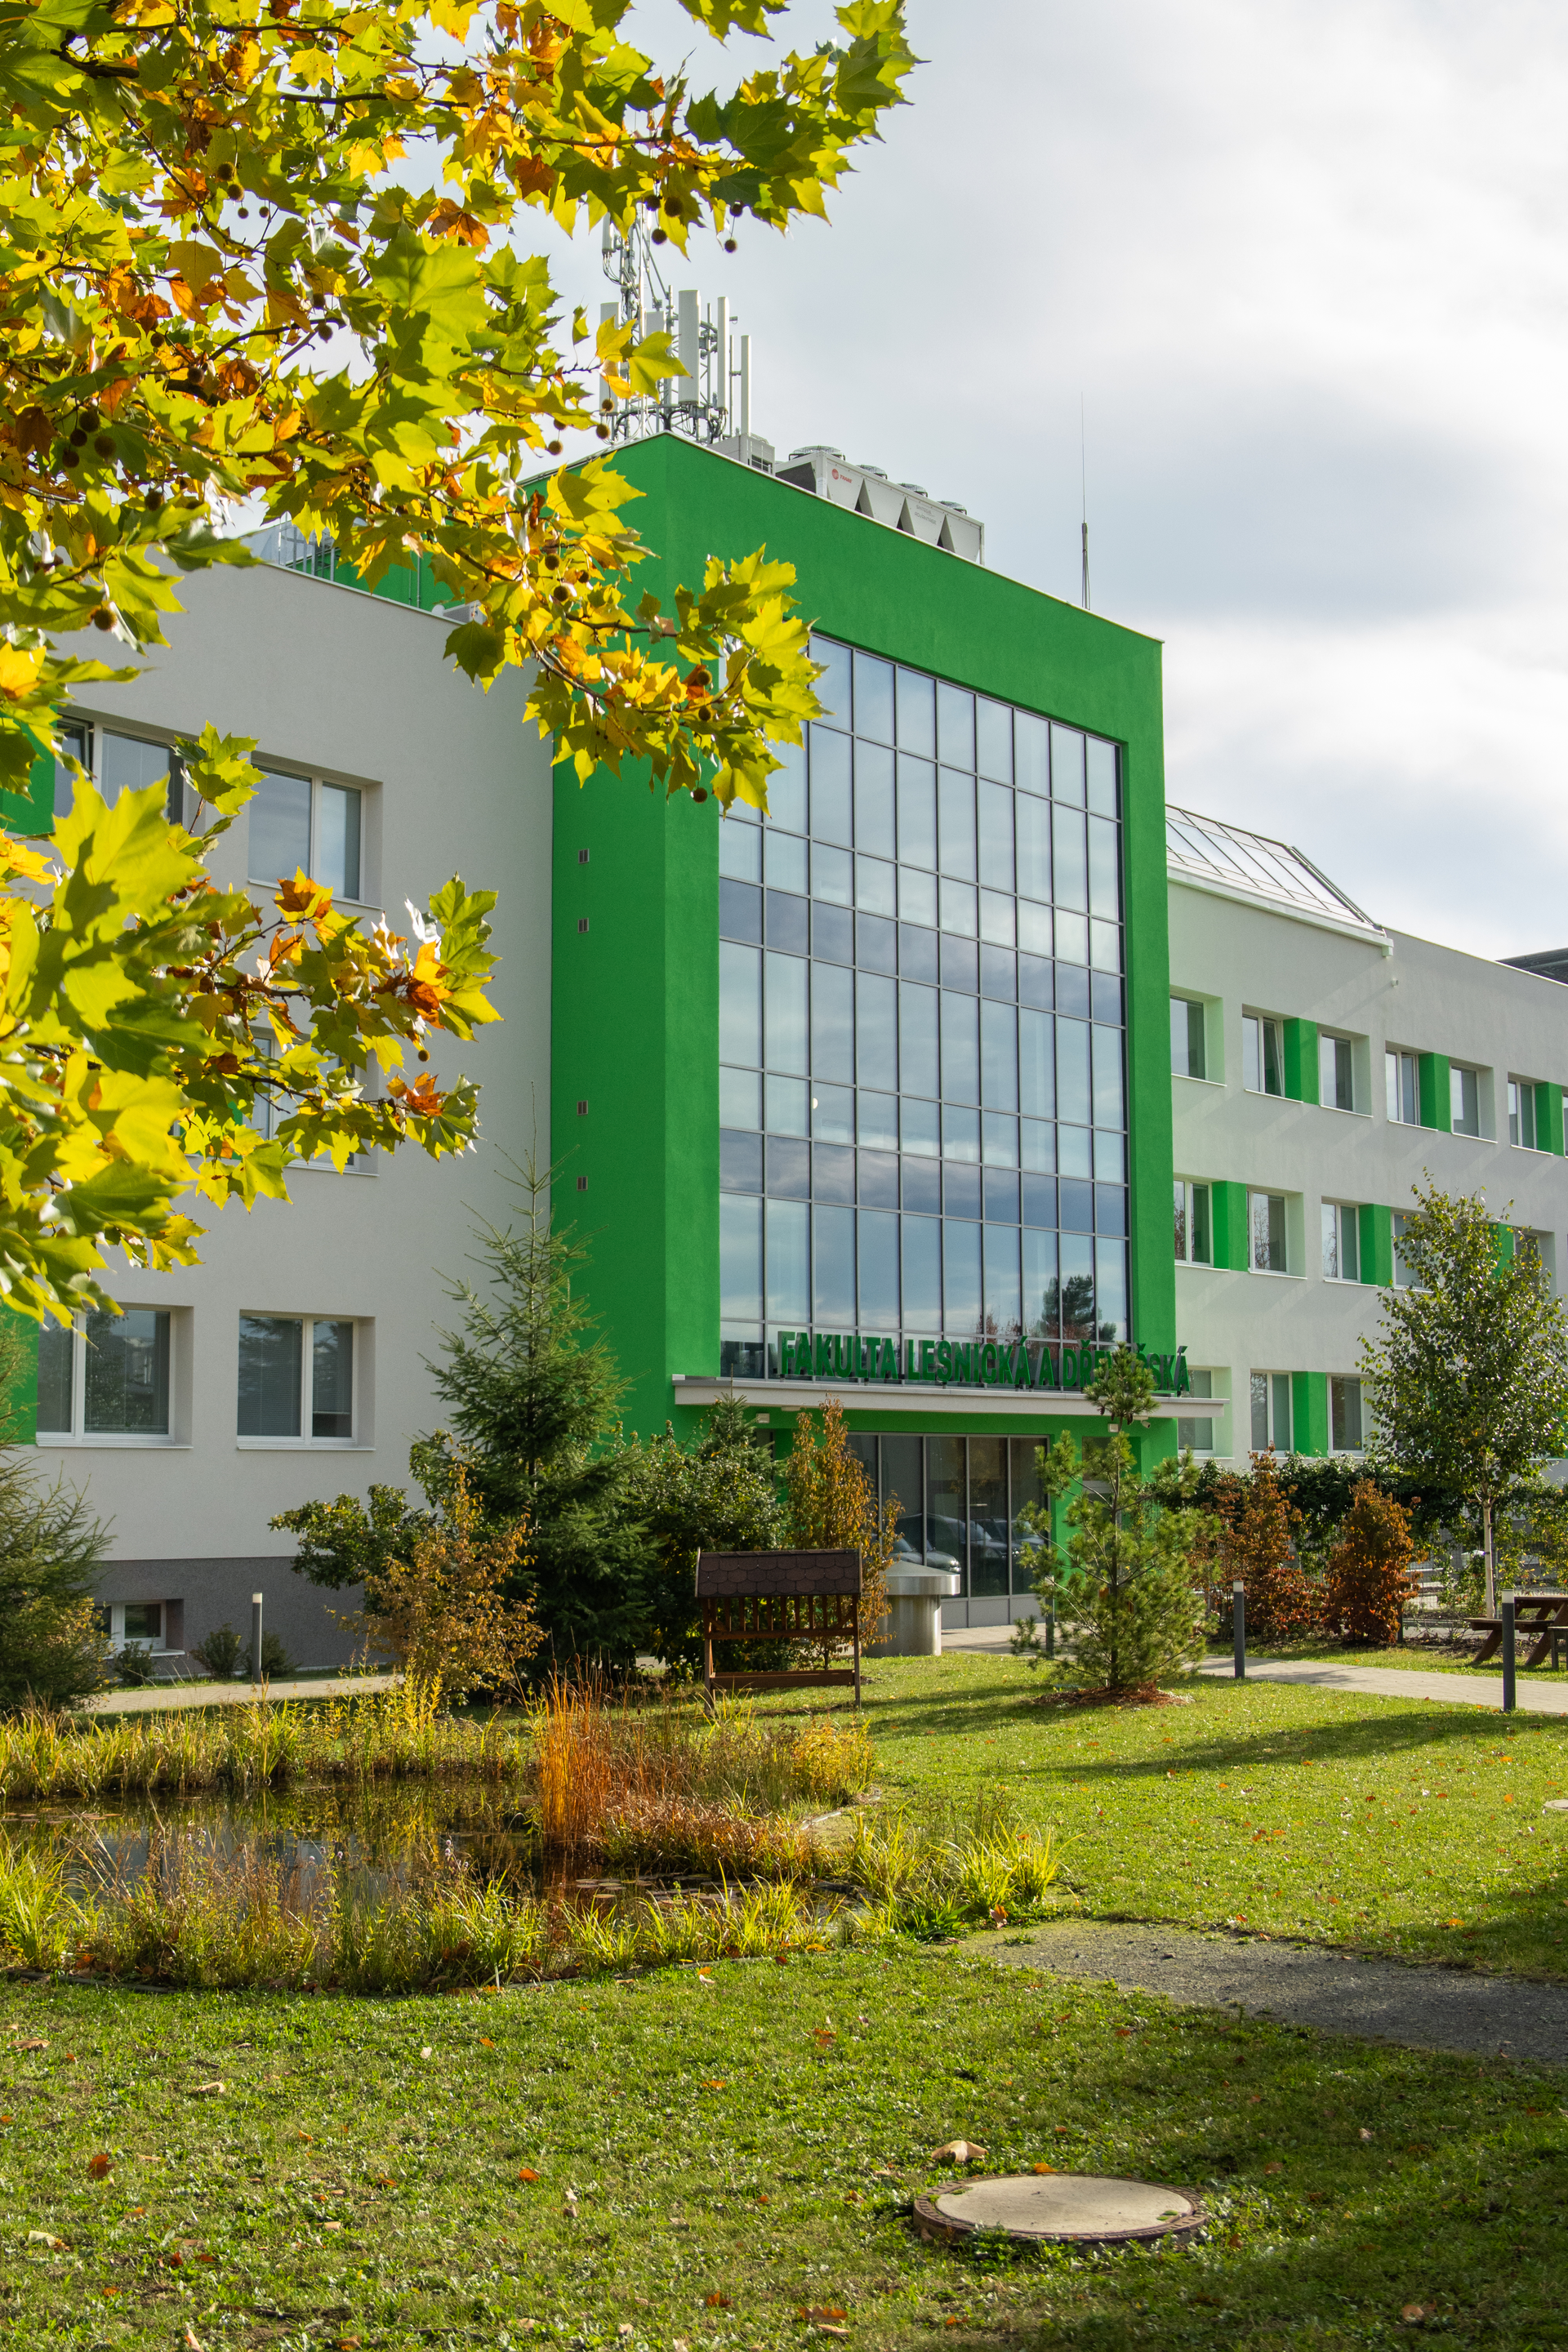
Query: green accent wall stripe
(1228, 1204)
(1309, 1412)
(1432, 1075)
(1302, 1061)
(1376, 1236)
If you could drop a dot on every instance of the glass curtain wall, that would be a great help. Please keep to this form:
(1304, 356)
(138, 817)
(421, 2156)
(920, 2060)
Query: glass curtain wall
(958, 1503)
(922, 1097)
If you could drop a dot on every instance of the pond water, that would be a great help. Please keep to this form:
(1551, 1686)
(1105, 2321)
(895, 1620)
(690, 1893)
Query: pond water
(359, 1843)
(362, 1840)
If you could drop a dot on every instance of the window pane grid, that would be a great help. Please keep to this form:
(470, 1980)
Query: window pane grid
(940, 989)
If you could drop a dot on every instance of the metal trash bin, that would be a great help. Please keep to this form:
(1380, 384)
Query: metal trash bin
(915, 1595)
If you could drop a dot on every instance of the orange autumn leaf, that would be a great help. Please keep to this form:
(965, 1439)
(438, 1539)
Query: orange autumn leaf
(527, 2174)
(450, 220)
(98, 2166)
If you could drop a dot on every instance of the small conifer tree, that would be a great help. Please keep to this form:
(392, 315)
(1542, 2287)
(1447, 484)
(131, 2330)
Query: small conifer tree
(534, 1398)
(1124, 1585)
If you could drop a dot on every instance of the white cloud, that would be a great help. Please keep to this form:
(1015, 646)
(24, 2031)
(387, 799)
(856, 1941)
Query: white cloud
(1306, 266)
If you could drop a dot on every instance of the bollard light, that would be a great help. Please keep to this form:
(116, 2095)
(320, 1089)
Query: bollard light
(1507, 1655)
(256, 1637)
(1238, 1622)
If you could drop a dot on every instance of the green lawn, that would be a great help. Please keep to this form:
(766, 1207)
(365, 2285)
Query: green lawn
(739, 2150)
(1402, 1826)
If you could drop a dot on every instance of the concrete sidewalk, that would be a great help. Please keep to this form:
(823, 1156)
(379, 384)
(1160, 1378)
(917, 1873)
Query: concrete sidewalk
(155, 1696)
(1378, 1682)
(1400, 1682)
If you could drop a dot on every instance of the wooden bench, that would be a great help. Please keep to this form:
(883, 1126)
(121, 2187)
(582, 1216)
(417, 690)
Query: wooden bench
(1541, 1617)
(780, 1596)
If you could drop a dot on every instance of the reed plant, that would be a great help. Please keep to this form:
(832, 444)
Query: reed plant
(935, 1876)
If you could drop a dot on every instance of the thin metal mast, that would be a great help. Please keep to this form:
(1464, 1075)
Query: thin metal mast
(1083, 487)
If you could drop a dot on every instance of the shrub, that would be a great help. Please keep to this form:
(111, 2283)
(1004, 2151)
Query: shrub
(442, 1615)
(1258, 1523)
(1370, 1577)
(135, 1663)
(222, 1652)
(51, 1636)
(833, 1507)
(277, 1665)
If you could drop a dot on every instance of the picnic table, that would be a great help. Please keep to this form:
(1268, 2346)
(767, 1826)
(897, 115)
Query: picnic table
(780, 1596)
(1544, 1615)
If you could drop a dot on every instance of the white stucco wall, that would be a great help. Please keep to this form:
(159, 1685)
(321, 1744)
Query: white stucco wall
(1418, 998)
(355, 688)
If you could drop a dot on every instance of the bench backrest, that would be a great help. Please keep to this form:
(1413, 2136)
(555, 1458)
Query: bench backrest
(756, 1575)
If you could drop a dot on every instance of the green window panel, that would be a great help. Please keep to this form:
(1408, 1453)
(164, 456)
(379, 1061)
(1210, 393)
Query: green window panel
(1309, 1412)
(1503, 1243)
(1228, 1210)
(1432, 1077)
(1302, 1061)
(1549, 1119)
(32, 812)
(1376, 1243)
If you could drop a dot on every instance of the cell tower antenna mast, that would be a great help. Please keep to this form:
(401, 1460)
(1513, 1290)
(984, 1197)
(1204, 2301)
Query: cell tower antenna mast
(1083, 490)
(709, 397)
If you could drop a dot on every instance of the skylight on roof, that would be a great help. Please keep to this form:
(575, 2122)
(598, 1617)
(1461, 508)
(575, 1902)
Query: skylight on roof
(1228, 858)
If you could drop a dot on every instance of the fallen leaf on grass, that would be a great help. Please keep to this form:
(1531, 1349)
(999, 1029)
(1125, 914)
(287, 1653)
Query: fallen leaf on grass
(717, 2084)
(679, 2344)
(45, 2238)
(716, 2302)
(1273, 2168)
(32, 2045)
(1412, 2312)
(98, 2166)
(624, 2328)
(819, 2311)
(884, 2172)
(192, 2342)
(962, 2151)
(527, 2173)
(426, 2052)
(205, 2090)
(1367, 2135)
(1042, 2167)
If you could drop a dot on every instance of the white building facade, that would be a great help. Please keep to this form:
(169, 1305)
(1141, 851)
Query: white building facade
(291, 1365)
(1324, 1067)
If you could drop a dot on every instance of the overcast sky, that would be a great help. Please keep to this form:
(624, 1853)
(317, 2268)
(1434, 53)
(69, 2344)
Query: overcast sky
(1307, 268)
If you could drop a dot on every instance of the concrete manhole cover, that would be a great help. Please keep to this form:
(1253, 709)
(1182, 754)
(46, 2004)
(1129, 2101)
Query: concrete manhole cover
(1077, 2208)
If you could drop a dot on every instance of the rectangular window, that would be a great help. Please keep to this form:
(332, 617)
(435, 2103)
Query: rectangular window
(300, 824)
(117, 763)
(1342, 1241)
(1404, 1272)
(1188, 1057)
(1194, 1432)
(1521, 1114)
(1267, 1219)
(144, 1622)
(1262, 1055)
(106, 1377)
(1194, 1235)
(1271, 1412)
(1345, 1415)
(296, 1379)
(1464, 1100)
(1403, 1079)
(1336, 1072)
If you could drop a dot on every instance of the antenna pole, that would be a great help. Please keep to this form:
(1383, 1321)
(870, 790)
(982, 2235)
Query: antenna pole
(1083, 486)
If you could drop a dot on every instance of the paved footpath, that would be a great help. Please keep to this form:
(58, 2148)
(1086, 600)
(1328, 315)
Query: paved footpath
(1297, 1984)
(1383, 1681)
(1400, 1682)
(155, 1696)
